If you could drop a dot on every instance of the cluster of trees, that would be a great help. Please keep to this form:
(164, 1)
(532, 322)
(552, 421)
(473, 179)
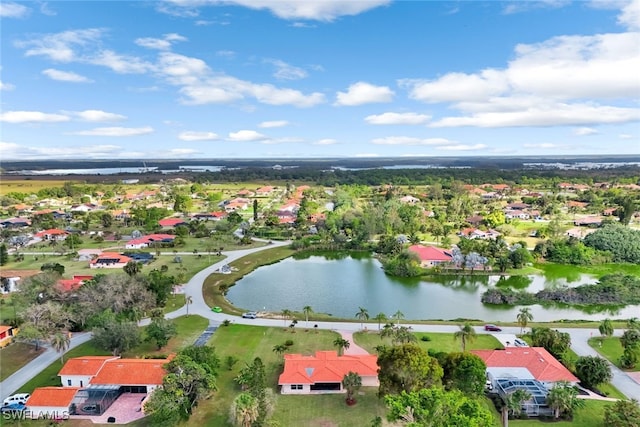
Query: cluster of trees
(630, 341)
(254, 405)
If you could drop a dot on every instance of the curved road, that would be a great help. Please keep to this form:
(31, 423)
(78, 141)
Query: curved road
(193, 288)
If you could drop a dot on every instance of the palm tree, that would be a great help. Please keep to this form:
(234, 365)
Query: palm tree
(362, 315)
(245, 410)
(279, 349)
(524, 317)
(380, 317)
(633, 323)
(465, 334)
(515, 400)
(188, 300)
(286, 314)
(398, 315)
(403, 335)
(60, 343)
(307, 310)
(606, 328)
(388, 331)
(342, 345)
(563, 398)
(351, 382)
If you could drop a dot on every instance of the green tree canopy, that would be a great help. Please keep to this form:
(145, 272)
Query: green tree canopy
(465, 372)
(407, 368)
(622, 242)
(623, 413)
(593, 371)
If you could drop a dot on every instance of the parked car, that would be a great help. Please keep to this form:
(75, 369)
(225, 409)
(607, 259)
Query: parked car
(250, 315)
(20, 398)
(520, 343)
(216, 309)
(90, 408)
(492, 328)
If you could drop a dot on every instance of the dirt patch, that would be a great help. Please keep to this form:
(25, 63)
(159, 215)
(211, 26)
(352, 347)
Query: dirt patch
(322, 422)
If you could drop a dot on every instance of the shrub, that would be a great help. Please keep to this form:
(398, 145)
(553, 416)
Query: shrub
(425, 338)
(288, 343)
(226, 322)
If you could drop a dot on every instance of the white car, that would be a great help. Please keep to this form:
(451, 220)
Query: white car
(20, 398)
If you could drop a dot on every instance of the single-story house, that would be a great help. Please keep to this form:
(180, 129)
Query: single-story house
(590, 221)
(79, 371)
(171, 222)
(148, 241)
(15, 223)
(52, 234)
(323, 373)
(109, 260)
(51, 402)
(409, 199)
(6, 335)
(430, 256)
(210, 216)
(88, 254)
(264, 191)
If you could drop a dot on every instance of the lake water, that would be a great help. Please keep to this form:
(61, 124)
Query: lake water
(342, 283)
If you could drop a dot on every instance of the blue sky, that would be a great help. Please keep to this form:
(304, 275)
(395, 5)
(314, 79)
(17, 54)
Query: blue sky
(247, 78)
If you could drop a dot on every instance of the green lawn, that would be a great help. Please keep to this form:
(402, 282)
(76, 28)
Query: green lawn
(439, 342)
(590, 416)
(15, 356)
(248, 342)
(174, 302)
(609, 348)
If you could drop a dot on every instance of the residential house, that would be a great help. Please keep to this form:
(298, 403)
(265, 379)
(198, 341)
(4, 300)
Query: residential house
(589, 221)
(79, 371)
(518, 206)
(10, 279)
(516, 214)
(88, 254)
(70, 285)
(210, 216)
(609, 211)
(149, 241)
(52, 234)
(475, 220)
(50, 402)
(245, 193)
(15, 223)
(6, 335)
(409, 200)
(431, 256)
(171, 222)
(264, 191)
(109, 260)
(323, 373)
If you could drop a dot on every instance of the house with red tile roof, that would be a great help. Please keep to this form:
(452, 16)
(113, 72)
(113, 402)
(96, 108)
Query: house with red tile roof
(79, 371)
(171, 222)
(142, 375)
(323, 372)
(430, 256)
(525, 363)
(52, 234)
(6, 335)
(69, 285)
(50, 402)
(109, 260)
(264, 191)
(149, 240)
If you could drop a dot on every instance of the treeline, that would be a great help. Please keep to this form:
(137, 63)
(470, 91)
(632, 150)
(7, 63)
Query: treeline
(612, 289)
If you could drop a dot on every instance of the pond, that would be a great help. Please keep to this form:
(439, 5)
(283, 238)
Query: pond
(338, 284)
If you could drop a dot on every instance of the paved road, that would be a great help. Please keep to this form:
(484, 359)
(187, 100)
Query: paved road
(193, 289)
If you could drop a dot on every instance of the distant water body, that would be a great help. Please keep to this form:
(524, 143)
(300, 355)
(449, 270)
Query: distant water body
(113, 171)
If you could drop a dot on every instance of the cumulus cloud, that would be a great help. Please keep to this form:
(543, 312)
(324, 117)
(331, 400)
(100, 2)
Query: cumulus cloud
(115, 131)
(13, 10)
(61, 47)
(397, 119)
(408, 140)
(364, 93)
(462, 147)
(584, 131)
(545, 145)
(198, 136)
(12, 150)
(246, 136)
(65, 76)
(164, 43)
(274, 124)
(630, 16)
(326, 10)
(286, 71)
(179, 152)
(6, 86)
(326, 141)
(625, 136)
(32, 117)
(98, 116)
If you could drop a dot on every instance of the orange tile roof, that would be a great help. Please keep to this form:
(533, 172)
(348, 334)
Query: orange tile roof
(325, 366)
(131, 372)
(430, 253)
(86, 365)
(52, 396)
(542, 365)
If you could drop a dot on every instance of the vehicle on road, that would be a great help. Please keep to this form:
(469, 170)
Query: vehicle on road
(249, 315)
(20, 398)
(216, 309)
(492, 328)
(520, 343)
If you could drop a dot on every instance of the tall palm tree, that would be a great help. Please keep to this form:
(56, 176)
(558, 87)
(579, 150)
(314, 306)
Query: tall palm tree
(342, 345)
(60, 343)
(398, 315)
(245, 410)
(524, 317)
(563, 397)
(279, 349)
(286, 314)
(362, 315)
(515, 400)
(606, 328)
(465, 334)
(307, 310)
(380, 317)
(188, 300)
(351, 382)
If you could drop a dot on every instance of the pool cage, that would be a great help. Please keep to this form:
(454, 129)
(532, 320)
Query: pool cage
(536, 405)
(94, 400)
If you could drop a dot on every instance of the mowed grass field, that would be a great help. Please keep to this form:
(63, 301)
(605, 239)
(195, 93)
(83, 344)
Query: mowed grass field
(8, 185)
(438, 342)
(14, 356)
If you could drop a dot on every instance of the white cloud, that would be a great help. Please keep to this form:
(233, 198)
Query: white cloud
(366, 155)
(65, 76)
(397, 119)
(61, 46)
(273, 124)
(526, 6)
(462, 147)
(326, 141)
(625, 136)
(286, 71)
(408, 140)
(584, 131)
(13, 10)
(325, 10)
(6, 86)
(198, 136)
(121, 64)
(179, 152)
(164, 43)
(226, 53)
(246, 136)
(630, 16)
(12, 150)
(544, 145)
(115, 131)
(32, 117)
(99, 116)
(364, 93)
(457, 87)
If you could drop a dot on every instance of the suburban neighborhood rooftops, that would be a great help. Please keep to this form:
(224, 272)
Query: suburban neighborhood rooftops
(171, 222)
(430, 253)
(86, 365)
(52, 396)
(542, 365)
(131, 372)
(325, 366)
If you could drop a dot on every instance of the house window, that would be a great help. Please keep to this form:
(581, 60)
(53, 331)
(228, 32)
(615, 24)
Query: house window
(68, 382)
(296, 386)
(81, 383)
